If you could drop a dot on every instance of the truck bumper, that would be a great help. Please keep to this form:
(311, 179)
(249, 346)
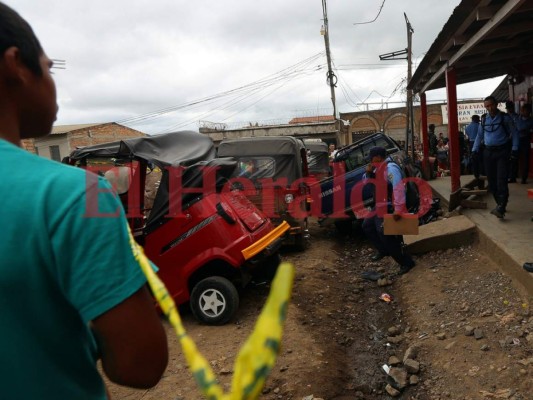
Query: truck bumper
(268, 243)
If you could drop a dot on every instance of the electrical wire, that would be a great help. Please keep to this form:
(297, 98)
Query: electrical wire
(344, 88)
(369, 22)
(239, 97)
(286, 73)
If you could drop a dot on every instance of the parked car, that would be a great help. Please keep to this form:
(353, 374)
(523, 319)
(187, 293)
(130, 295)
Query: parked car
(277, 167)
(349, 164)
(205, 241)
(317, 159)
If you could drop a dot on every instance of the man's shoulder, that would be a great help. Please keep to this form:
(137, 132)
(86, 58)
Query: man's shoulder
(393, 165)
(36, 172)
(53, 170)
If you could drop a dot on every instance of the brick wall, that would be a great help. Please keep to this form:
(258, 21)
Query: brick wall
(68, 141)
(28, 145)
(104, 133)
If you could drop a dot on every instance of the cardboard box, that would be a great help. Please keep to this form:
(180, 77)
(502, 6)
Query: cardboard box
(407, 225)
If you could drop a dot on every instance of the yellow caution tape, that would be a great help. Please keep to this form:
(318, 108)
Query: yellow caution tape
(256, 357)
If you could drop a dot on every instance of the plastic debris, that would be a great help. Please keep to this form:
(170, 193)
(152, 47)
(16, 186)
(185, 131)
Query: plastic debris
(386, 297)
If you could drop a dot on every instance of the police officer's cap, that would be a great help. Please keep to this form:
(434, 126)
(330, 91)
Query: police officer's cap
(377, 151)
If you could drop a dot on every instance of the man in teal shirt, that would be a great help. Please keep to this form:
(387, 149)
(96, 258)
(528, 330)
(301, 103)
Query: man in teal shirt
(71, 290)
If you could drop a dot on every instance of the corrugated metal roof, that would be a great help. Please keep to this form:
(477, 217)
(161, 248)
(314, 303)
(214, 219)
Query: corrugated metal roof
(482, 39)
(501, 93)
(59, 129)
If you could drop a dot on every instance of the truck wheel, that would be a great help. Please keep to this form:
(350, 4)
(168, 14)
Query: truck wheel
(271, 266)
(300, 242)
(344, 226)
(268, 269)
(214, 300)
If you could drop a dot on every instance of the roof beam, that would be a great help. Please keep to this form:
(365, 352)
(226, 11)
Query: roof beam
(501, 56)
(460, 30)
(510, 30)
(506, 10)
(459, 40)
(484, 13)
(445, 56)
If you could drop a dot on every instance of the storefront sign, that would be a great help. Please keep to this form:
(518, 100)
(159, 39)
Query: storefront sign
(466, 110)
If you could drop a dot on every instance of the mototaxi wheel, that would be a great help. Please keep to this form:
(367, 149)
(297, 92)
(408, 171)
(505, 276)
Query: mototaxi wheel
(214, 300)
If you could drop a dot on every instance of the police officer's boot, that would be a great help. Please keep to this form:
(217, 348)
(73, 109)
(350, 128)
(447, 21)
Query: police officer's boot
(499, 211)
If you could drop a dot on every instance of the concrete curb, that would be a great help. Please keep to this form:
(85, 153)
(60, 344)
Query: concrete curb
(441, 235)
(505, 262)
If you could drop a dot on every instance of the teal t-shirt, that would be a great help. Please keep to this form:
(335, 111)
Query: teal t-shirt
(59, 269)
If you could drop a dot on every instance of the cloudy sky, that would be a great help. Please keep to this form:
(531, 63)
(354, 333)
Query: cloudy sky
(165, 65)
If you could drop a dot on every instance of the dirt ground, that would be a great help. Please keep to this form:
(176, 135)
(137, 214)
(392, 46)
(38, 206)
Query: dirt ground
(465, 329)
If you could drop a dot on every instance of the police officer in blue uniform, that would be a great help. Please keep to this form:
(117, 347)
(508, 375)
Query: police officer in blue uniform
(384, 171)
(471, 132)
(498, 133)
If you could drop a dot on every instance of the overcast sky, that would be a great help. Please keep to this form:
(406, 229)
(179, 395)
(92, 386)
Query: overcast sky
(228, 61)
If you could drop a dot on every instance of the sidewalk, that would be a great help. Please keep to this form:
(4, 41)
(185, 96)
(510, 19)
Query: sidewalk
(509, 242)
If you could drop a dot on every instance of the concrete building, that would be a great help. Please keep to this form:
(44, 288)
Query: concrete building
(392, 121)
(325, 129)
(65, 138)
(353, 125)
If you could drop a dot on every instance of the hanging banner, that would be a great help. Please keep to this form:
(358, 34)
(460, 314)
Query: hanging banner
(466, 110)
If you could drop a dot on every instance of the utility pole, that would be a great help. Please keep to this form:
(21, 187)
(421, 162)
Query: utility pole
(410, 113)
(409, 128)
(331, 77)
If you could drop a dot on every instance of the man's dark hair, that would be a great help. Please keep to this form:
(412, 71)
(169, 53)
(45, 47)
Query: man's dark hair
(16, 32)
(491, 98)
(475, 118)
(432, 126)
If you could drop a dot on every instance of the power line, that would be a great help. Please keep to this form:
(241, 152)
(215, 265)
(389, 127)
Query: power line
(348, 67)
(286, 73)
(369, 22)
(239, 97)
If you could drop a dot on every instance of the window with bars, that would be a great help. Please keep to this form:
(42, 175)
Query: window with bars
(54, 153)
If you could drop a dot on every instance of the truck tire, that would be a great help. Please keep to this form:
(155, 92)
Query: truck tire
(214, 300)
(344, 226)
(300, 242)
(268, 269)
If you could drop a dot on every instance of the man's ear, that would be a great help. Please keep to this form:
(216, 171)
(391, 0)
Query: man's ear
(12, 67)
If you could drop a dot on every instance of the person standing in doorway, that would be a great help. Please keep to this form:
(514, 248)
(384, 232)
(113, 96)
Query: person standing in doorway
(432, 141)
(513, 161)
(524, 126)
(509, 107)
(501, 142)
(471, 131)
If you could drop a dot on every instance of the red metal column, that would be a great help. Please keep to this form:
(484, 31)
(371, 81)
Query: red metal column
(531, 158)
(425, 139)
(453, 129)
